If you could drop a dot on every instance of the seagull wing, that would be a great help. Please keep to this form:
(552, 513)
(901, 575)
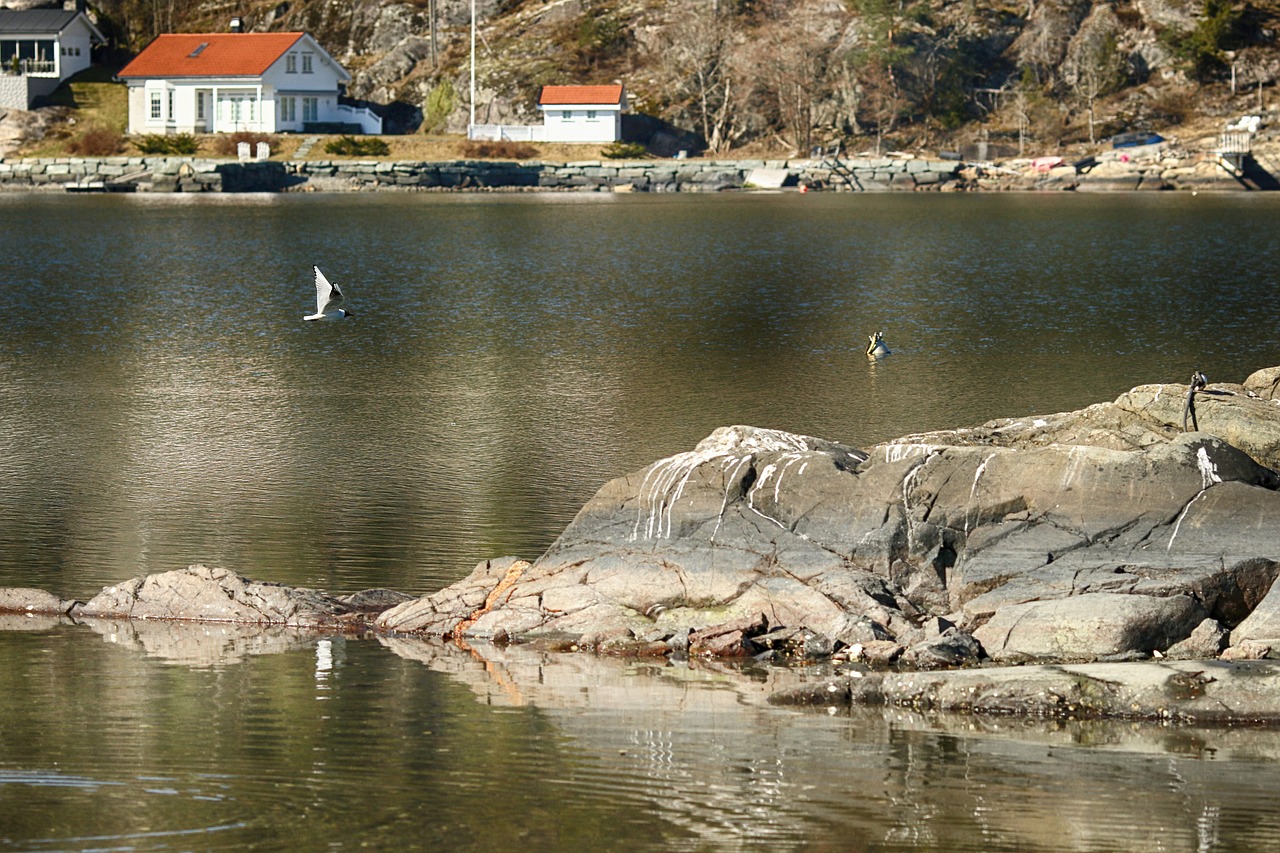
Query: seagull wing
(326, 292)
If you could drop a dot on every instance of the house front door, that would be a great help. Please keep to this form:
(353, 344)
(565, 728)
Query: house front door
(288, 119)
(237, 112)
(204, 102)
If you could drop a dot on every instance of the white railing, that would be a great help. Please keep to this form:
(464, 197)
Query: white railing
(508, 132)
(369, 121)
(1235, 142)
(30, 66)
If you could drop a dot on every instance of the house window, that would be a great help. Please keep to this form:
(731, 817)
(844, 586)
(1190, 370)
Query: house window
(155, 111)
(291, 63)
(591, 115)
(170, 105)
(306, 63)
(200, 106)
(310, 109)
(567, 115)
(288, 110)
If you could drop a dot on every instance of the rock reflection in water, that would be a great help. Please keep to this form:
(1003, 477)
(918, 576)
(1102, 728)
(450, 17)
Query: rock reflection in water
(32, 622)
(420, 744)
(199, 644)
(700, 744)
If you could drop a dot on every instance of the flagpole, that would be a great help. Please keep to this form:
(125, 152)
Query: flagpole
(472, 125)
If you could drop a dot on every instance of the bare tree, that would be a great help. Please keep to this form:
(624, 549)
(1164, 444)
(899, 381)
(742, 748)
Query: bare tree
(1043, 42)
(697, 62)
(793, 75)
(1094, 66)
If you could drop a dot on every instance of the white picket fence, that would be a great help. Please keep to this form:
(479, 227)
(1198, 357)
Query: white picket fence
(508, 132)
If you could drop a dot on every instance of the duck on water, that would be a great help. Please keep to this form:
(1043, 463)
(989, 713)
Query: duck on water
(876, 346)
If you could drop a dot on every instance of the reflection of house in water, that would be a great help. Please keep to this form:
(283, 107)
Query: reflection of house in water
(39, 48)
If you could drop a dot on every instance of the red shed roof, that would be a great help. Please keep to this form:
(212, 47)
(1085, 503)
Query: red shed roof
(556, 95)
(210, 55)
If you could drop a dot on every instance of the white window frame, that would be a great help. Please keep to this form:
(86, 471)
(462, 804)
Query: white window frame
(310, 108)
(307, 63)
(291, 63)
(155, 105)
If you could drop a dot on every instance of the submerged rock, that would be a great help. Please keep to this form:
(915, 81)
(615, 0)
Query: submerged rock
(1190, 691)
(32, 601)
(1106, 533)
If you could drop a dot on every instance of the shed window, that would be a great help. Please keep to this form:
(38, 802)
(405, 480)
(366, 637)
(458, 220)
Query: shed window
(155, 111)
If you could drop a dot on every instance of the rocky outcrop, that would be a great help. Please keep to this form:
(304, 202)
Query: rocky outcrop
(22, 127)
(1106, 533)
(204, 594)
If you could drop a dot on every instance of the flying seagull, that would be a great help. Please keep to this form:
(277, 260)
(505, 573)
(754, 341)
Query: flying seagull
(328, 296)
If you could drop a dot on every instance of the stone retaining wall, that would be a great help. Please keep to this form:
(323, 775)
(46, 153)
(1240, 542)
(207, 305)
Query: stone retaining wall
(13, 92)
(187, 174)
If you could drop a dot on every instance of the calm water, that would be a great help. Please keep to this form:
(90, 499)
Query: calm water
(162, 403)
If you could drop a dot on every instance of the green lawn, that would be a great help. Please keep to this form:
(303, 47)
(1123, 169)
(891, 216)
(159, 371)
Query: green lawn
(98, 99)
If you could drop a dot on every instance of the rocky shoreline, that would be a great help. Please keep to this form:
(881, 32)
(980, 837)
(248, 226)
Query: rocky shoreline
(1064, 565)
(1150, 168)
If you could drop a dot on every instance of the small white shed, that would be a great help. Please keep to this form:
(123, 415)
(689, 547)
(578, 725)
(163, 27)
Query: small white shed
(582, 113)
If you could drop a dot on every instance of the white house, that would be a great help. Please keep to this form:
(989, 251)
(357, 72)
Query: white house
(226, 82)
(39, 48)
(569, 114)
(582, 113)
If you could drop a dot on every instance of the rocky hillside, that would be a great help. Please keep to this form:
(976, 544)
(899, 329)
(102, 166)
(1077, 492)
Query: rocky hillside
(788, 73)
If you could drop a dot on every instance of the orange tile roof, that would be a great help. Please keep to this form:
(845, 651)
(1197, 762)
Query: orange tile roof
(556, 95)
(223, 55)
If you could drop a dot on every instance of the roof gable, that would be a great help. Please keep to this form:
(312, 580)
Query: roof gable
(576, 95)
(210, 54)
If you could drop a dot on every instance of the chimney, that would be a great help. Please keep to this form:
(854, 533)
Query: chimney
(237, 25)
